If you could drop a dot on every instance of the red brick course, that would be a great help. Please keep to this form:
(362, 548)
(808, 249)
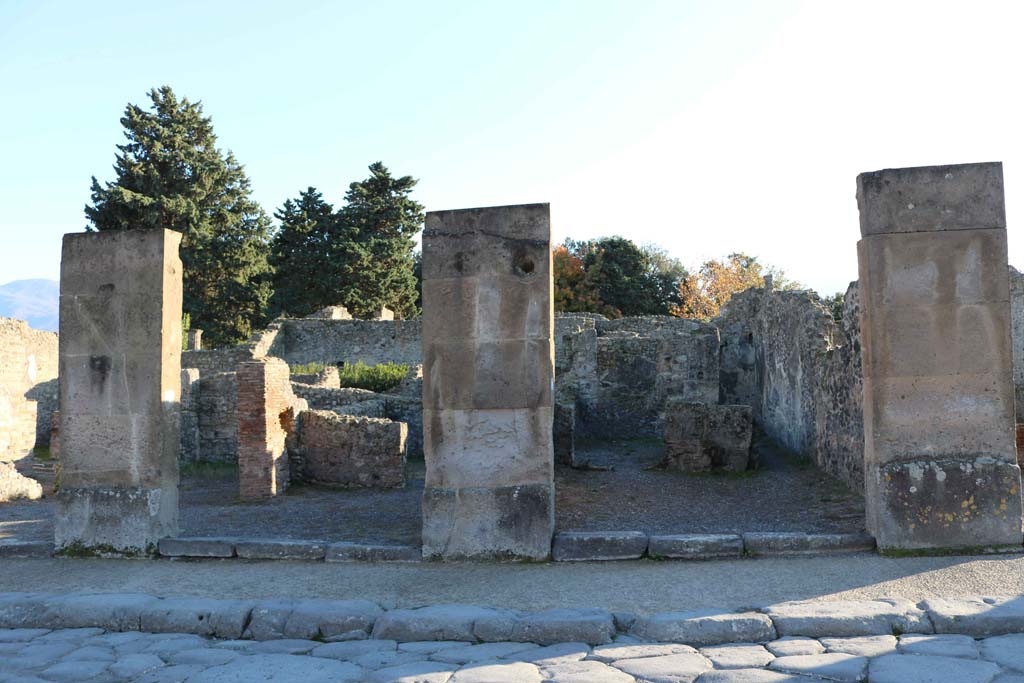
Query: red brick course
(266, 411)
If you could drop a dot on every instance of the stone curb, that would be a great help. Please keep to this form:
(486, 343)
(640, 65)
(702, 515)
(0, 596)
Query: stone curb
(21, 549)
(336, 620)
(182, 547)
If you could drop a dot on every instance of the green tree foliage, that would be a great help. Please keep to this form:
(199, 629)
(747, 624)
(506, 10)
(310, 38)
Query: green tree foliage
(304, 277)
(614, 276)
(376, 234)
(170, 174)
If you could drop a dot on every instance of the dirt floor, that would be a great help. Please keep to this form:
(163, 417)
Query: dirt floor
(786, 493)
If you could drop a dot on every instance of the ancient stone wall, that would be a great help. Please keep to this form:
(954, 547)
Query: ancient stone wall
(28, 387)
(345, 450)
(799, 370)
(316, 340)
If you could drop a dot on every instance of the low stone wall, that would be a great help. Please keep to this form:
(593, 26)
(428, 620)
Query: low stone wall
(344, 450)
(799, 370)
(28, 388)
(217, 418)
(313, 340)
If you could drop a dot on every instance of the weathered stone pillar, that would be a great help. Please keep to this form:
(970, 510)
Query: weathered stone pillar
(939, 451)
(120, 374)
(488, 374)
(194, 341)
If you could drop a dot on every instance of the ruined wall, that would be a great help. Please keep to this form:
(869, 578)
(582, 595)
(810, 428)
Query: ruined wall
(1017, 332)
(783, 355)
(217, 419)
(313, 340)
(28, 387)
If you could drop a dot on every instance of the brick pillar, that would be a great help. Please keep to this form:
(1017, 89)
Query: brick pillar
(488, 374)
(939, 443)
(120, 374)
(266, 413)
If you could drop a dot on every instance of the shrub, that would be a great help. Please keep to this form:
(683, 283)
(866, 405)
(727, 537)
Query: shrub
(373, 377)
(306, 368)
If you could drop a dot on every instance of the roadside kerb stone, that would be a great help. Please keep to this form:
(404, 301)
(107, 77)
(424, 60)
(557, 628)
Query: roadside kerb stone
(438, 622)
(591, 626)
(200, 616)
(779, 543)
(978, 617)
(312, 619)
(841, 618)
(358, 552)
(280, 550)
(113, 612)
(196, 547)
(704, 627)
(571, 546)
(695, 546)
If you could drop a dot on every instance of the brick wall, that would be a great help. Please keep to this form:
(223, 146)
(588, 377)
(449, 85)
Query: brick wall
(266, 411)
(28, 387)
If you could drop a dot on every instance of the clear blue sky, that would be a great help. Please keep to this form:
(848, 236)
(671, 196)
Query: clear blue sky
(706, 127)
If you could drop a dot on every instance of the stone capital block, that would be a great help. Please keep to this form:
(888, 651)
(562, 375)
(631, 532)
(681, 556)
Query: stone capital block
(939, 449)
(488, 383)
(120, 390)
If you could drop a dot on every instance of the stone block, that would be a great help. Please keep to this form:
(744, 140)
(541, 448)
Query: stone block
(10, 548)
(360, 552)
(563, 433)
(931, 198)
(591, 626)
(436, 622)
(196, 547)
(279, 550)
(201, 616)
(120, 389)
(695, 546)
(311, 619)
(908, 668)
(785, 543)
(845, 618)
(700, 436)
(978, 617)
(344, 450)
(704, 627)
(14, 485)
(599, 545)
(488, 378)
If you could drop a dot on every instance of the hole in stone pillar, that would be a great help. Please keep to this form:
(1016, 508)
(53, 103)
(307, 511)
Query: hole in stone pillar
(524, 266)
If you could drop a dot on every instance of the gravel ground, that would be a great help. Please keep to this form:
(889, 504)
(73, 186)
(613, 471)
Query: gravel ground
(784, 494)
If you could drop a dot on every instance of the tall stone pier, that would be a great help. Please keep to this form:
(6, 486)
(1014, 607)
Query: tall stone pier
(488, 374)
(939, 452)
(120, 388)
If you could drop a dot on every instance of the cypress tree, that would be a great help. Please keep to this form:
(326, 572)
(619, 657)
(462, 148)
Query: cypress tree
(305, 277)
(170, 174)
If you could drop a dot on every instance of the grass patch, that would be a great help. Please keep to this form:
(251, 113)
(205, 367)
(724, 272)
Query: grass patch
(208, 469)
(377, 378)
(42, 453)
(306, 368)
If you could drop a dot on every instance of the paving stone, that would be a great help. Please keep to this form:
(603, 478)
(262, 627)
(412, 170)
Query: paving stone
(681, 668)
(598, 545)
(309, 619)
(37, 655)
(134, 665)
(358, 552)
(833, 666)
(929, 669)
(282, 549)
(785, 543)
(196, 547)
(738, 656)
(1009, 678)
(235, 645)
(862, 646)
(286, 646)
(90, 653)
(592, 626)
(417, 672)
(168, 646)
(752, 676)
(615, 651)
(497, 672)
(201, 616)
(353, 648)
(584, 672)
(942, 645)
(978, 617)
(74, 671)
(484, 651)
(206, 656)
(384, 659)
(114, 639)
(840, 618)
(357, 634)
(695, 546)
(11, 648)
(704, 627)
(20, 635)
(280, 668)
(70, 635)
(789, 646)
(552, 654)
(427, 647)
(437, 622)
(1007, 651)
(179, 673)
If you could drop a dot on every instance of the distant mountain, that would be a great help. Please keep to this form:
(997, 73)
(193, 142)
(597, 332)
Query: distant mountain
(33, 300)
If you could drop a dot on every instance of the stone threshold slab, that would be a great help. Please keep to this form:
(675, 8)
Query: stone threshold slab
(338, 620)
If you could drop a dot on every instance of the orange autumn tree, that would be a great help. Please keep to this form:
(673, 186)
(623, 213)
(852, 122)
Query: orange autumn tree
(574, 292)
(706, 292)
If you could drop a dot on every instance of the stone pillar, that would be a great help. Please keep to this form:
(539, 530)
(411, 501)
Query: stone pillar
(939, 451)
(488, 377)
(194, 341)
(266, 411)
(120, 374)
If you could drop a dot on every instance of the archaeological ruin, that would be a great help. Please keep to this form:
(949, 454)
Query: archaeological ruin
(518, 433)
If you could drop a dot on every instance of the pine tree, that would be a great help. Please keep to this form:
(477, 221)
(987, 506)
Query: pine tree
(170, 174)
(374, 244)
(305, 274)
